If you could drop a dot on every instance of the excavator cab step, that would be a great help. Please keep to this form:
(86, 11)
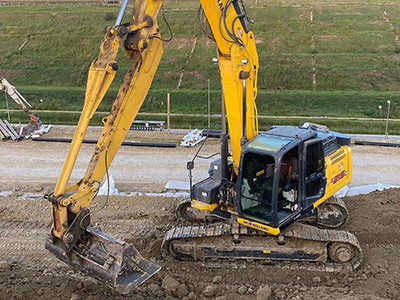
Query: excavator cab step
(111, 261)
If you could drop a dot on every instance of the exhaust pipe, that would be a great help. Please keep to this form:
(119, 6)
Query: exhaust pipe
(113, 262)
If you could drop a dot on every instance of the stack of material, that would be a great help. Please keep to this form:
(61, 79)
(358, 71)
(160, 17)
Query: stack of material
(192, 138)
(148, 125)
(8, 132)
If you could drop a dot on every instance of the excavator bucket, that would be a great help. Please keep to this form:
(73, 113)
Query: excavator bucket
(111, 261)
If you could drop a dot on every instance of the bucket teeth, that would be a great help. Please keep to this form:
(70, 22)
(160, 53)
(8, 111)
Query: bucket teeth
(112, 261)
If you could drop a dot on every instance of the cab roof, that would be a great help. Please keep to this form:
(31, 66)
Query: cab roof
(284, 137)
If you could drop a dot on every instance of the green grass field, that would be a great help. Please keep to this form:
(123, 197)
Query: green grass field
(356, 59)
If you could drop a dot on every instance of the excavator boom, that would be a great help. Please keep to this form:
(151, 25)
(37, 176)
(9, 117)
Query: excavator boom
(238, 66)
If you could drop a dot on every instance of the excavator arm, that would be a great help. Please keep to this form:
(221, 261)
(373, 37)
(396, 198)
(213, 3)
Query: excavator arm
(73, 239)
(143, 47)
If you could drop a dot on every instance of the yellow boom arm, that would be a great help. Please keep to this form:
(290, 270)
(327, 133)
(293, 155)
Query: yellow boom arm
(143, 47)
(238, 65)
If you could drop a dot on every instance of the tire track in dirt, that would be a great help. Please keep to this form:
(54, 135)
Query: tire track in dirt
(24, 241)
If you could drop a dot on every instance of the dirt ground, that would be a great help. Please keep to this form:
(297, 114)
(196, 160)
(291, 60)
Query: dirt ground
(28, 271)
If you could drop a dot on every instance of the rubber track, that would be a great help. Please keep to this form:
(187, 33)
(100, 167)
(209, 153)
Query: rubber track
(336, 201)
(298, 230)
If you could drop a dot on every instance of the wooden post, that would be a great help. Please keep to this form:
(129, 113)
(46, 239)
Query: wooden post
(168, 112)
(208, 103)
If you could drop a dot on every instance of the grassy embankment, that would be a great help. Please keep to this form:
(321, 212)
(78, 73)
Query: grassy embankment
(356, 60)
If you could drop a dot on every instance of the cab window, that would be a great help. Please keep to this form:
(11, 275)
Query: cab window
(256, 187)
(314, 170)
(288, 190)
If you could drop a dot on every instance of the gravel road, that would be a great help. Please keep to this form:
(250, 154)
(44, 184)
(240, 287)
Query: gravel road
(29, 164)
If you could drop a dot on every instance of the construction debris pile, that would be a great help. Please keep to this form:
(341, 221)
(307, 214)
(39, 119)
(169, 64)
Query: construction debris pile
(34, 128)
(17, 132)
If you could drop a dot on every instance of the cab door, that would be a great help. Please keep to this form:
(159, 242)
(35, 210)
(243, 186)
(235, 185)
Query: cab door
(314, 171)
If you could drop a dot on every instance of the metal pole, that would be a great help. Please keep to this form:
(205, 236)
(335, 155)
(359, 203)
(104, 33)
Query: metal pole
(223, 123)
(121, 12)
(208, 102)
(224, 154)
(387, 121)
(168, 112)
(8, 110)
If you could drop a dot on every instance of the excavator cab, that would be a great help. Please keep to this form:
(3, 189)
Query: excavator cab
(281, 176)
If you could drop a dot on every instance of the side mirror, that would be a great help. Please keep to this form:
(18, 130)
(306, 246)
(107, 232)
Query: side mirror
(190, 165)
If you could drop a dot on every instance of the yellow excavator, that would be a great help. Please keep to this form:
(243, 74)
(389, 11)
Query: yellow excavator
(266, 201)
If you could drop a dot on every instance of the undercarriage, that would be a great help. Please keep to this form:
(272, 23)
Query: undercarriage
(321, 249)
(312, 242)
